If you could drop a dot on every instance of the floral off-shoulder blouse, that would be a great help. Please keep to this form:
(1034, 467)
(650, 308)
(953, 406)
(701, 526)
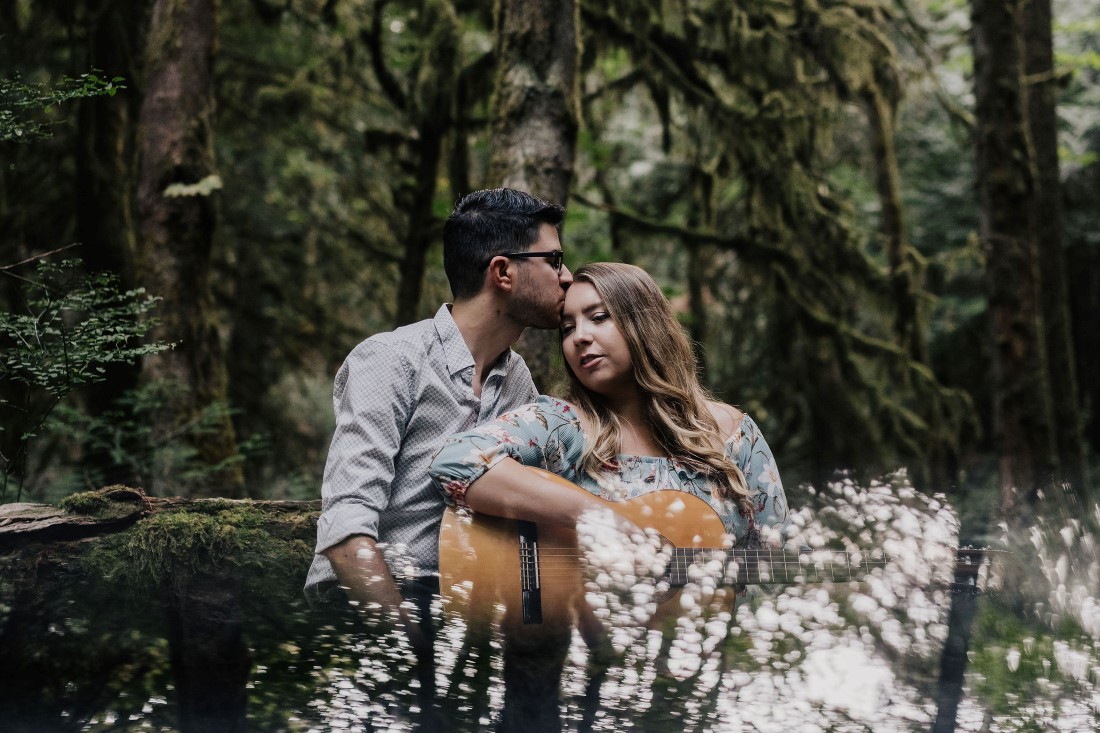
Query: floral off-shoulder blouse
(547, 434)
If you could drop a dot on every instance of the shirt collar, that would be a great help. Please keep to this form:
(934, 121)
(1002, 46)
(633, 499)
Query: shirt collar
(455, 349)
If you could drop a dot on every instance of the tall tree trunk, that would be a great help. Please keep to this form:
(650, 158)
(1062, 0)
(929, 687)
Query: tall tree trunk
(104, 193)
(534, 132)
(938, 468)
(431, 106)
(903, 261)
(1054, 297)
(104, 214)
(176, 230)
(1084, 270)
(700, 260)
(535, 118)
(1006, 186)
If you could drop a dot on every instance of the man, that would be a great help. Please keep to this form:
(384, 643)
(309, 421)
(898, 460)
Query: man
(399, 394)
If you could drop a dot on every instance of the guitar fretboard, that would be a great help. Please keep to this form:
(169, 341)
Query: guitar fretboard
(766, 566)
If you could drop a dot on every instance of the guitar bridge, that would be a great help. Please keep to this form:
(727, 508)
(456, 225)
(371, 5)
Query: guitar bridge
(530, 587)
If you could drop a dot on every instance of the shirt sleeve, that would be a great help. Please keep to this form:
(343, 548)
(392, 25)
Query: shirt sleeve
(372, 401)
(753, 456)
(545, 434)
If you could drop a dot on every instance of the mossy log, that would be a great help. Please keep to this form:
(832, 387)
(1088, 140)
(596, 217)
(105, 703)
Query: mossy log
(114, 594)
(114, 509)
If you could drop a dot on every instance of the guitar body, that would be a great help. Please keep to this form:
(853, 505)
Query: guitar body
(535, 571)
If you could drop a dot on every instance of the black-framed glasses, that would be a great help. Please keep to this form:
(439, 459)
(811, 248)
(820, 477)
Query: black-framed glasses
(556, 257)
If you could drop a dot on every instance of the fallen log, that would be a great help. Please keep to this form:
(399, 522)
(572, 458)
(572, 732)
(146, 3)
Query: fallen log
(112, 509)
(88, 587)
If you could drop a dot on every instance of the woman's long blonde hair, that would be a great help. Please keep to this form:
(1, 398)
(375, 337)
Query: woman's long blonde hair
(675, 404)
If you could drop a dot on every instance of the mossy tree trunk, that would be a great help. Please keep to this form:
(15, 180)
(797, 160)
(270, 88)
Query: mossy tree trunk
(904, 262)
(430, 107)
(535, 119)
(700, 261)
(176, 234)
(104, 192)
(1041, 99)
(1023, 429)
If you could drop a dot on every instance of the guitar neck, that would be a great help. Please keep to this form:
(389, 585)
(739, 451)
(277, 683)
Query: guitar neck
(767, 566)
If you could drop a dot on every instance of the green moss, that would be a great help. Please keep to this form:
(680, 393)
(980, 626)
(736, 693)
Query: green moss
(165, 550)
(87, 502)
(105, 503)
(213, 506)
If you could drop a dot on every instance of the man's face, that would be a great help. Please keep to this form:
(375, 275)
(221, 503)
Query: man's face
(540, 289)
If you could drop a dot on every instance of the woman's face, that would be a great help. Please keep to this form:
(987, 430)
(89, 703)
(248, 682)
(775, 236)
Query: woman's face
(593, 346)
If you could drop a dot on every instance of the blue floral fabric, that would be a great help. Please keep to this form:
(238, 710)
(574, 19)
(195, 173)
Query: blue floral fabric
(547, 434)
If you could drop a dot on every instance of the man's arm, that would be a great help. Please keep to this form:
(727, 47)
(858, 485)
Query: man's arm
(371, 400)
(359, 565)
(363, 572)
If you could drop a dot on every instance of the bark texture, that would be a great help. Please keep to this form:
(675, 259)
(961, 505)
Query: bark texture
(535, 119)
(104, 191)
(176, 230)
(1042, 97)
(1023, 429)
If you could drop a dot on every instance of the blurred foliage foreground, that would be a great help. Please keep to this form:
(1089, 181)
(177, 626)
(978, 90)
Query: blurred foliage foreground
(123, 612)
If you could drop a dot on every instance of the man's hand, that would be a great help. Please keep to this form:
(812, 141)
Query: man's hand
(366, 578)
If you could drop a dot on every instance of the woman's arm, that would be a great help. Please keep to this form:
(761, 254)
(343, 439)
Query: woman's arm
(544, 434)
(487, 468)
(509, 489)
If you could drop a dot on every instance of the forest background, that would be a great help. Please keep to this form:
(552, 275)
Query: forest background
(888, 259)
(876, 218)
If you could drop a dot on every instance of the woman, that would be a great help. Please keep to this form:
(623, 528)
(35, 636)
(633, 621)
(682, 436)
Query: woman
(635, 420)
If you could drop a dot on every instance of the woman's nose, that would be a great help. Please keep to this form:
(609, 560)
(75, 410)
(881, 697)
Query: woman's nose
(581, 334)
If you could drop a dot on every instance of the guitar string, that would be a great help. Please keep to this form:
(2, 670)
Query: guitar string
(565, 565)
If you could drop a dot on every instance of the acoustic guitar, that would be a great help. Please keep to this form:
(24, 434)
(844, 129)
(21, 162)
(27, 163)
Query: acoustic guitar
(537, 571)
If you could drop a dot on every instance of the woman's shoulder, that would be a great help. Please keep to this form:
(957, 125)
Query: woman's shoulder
(729, 418)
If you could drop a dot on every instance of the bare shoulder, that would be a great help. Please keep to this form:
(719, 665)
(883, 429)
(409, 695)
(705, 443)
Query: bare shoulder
(729, 418)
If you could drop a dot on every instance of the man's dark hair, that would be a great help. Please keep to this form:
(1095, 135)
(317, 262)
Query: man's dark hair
(485, 224)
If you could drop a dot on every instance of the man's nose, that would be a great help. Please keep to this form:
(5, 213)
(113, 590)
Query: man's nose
(565, 277)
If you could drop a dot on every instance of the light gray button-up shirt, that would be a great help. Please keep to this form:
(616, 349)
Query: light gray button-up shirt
(397, 396)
